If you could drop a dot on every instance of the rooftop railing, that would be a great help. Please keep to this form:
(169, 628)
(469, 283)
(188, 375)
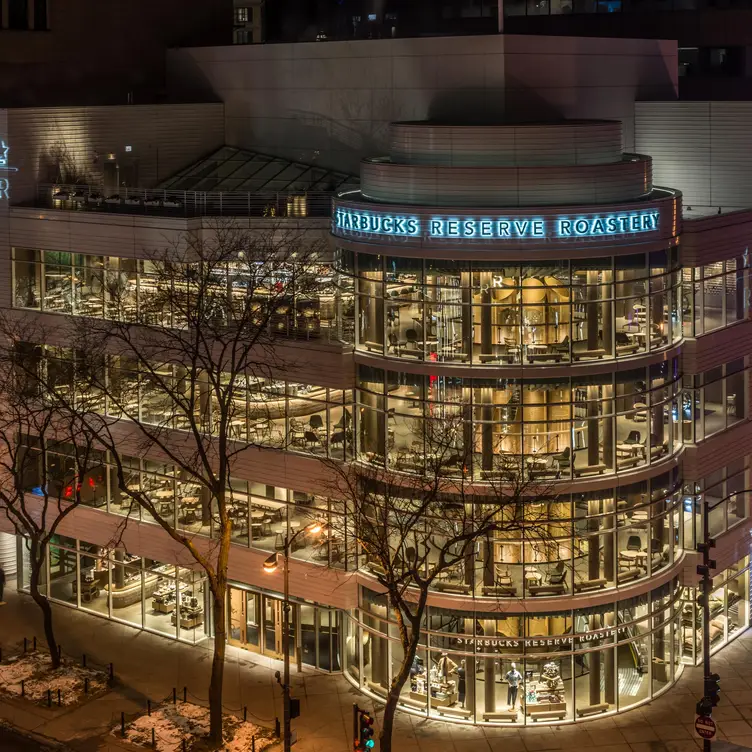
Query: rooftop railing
(172, 203)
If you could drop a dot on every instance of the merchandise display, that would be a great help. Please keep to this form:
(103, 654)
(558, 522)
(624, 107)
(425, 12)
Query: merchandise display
(547, 692)
(191, 612)
(443, 690)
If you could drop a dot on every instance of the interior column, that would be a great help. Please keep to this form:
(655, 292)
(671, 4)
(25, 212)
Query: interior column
(608, 425)
(592, 310)
(593, 437)
(467, 314)
(489, 670)
(487, 429)
(118, 579)
(607, 323)
(486, 342)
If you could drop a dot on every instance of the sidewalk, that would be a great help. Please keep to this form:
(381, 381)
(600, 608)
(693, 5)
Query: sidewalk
(148, 667)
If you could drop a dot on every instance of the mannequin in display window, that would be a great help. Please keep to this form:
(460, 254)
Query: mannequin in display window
(514, 679)
(461, 687)
(446, 666)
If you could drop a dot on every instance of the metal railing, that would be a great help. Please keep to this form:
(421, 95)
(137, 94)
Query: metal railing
(168, 202)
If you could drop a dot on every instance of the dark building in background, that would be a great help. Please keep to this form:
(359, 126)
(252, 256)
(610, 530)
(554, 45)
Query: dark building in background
(89, 52)
(715, 38)
(324, 20)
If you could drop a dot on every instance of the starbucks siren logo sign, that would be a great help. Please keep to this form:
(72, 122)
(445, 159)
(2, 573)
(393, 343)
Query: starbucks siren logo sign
(5, 167)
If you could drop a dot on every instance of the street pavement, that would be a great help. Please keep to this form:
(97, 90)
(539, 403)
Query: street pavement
(148, 667)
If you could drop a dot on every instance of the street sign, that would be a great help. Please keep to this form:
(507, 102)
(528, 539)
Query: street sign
(705, 727)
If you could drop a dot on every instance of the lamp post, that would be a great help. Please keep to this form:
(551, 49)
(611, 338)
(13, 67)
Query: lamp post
(270, 565)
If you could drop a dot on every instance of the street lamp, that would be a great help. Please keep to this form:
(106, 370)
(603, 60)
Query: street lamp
(270, 565)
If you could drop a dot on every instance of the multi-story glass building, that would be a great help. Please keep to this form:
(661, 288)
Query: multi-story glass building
(526, 283)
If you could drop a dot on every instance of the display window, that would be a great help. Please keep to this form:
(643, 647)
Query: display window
(124, 587)
(517, 669)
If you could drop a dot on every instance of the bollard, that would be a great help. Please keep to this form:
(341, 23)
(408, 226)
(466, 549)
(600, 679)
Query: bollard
(148, 707)
(24, 644)
(23, 687)
(49, 698)
(253, 743)
(174, 696)
(277, 732)
(59, 699)
(35, 642)
(183, 745)
(86, 685)
(185, 694)
(112, 673)
(59, 653)
(83, 663)
(245, 713)
(122, 724)
(153, 740)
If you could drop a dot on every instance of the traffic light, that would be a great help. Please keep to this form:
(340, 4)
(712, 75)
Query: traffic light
(713, 689)
(704, 707)
(365, 736)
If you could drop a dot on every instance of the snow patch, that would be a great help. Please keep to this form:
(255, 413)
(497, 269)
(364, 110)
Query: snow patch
(186, 720)
(34, 669)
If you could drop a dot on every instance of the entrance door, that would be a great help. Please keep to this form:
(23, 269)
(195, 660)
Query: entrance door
(273, 619)
(245, 619)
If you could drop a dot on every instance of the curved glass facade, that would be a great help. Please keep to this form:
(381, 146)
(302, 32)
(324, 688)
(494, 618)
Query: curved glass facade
(494, 312)
(524, 668)
(540, 428)
(568, 544)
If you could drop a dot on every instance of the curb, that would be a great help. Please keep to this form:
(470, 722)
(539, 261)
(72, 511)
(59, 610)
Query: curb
(44, 742)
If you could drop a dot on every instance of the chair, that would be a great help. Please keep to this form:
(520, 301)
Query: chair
(345, 420)
(558, 576)
(310, 438)
(561, 347)
(633, 438)
(564, 459)
(337, 438)
(395, 342)
(634, 543)
(656, 547)
(315, 422)
(412, 338)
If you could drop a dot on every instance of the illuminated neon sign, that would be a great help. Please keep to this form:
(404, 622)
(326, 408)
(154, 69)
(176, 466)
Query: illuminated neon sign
(360, 222)
(5, 167)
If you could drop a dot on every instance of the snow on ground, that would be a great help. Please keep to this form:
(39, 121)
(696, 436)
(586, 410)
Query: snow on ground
(173, 723)
(35, 670)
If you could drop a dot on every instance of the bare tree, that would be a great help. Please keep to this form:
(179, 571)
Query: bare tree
(43, 481)
(420, 524)
(172, 371)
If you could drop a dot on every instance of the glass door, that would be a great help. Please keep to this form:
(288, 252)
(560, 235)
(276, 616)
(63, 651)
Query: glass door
(236, 634)
(273, 618)
(245, 613)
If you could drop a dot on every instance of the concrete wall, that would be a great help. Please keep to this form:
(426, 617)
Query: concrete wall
(163, 139)
(8, 554)
(332, 102)
(702, 148)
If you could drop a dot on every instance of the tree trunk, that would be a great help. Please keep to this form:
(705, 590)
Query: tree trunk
(44, 605)
(219, 607)
(387, 725)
